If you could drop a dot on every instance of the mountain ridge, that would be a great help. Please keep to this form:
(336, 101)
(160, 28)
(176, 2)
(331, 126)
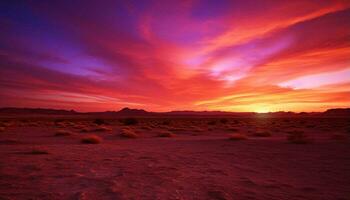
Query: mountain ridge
(141, 112)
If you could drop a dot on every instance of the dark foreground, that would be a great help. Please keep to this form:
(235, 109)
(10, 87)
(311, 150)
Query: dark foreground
(45, 159)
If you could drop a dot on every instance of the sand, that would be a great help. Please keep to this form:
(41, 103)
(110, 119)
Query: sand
(198, 161)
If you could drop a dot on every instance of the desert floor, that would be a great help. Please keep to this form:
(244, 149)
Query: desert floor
(44, 158)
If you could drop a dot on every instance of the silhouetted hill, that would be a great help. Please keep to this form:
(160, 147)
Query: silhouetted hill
(43, 111)
(207, 113)
(128, 112)
(338, 111)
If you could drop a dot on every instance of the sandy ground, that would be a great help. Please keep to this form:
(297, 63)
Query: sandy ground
(199, 162)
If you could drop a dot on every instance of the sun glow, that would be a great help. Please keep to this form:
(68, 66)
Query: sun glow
(262, 110)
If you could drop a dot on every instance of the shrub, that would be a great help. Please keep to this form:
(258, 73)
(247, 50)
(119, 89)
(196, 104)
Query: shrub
(127, 133)
(102, 129)
(339, 136)
(165, 134)
(130, 121)
(223, 121)
(84, 130)
(99, 121)
(233, 129)
(238, 136)
(91, 139)
(38, 152)
(2, 129)
(63, 133)
(167, 122)
(211, 122)
(298, 137)
(262, 134)
(146, 128)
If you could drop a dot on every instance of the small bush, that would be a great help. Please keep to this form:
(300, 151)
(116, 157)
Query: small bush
(146, 128)
(238, 136)
(10, 141)
(298, 137)
(262, 134)
(130, 121)
(91, 139)
(167, 122)
(339, 136)
(224, 121)
(38, 152)
(63, 133)
(211, 122)
(99, 121)
(2, 129)
(127, 133)
(102, 129)
(232, 129)
(165, 134)
(84, 130)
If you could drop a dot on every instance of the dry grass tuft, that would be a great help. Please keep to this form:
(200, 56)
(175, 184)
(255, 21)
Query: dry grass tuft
(237, 136)
(128, 133)
(91, 139)
(298, 137)
(63, 133)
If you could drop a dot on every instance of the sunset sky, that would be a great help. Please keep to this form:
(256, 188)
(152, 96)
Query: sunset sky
(229, 55)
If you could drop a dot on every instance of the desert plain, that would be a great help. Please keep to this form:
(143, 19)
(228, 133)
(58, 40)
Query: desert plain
(185, 157)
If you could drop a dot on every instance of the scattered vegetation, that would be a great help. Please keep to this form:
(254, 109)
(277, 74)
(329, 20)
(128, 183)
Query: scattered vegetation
(211, 122)
(237, 136)
(9, 141)
(262, 134)
(99, 121)
(232, 129)
(166, 122)
(165, 134)
(91, 139)
(102, 129)
(224, 121)
(63, 133)
(339, 136)
(146, 128)
(130, 121)
(84, 130)
(38, 152)
(298, 137)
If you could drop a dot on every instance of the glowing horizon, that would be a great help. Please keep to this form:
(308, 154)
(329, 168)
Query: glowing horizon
(243, 56)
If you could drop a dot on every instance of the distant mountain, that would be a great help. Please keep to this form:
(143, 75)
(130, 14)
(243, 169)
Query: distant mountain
(43, 111)
(338, 112)
(136, 112)
(128, 112)
(207, 113)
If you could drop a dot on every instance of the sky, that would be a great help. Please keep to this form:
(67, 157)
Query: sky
(243, 56)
